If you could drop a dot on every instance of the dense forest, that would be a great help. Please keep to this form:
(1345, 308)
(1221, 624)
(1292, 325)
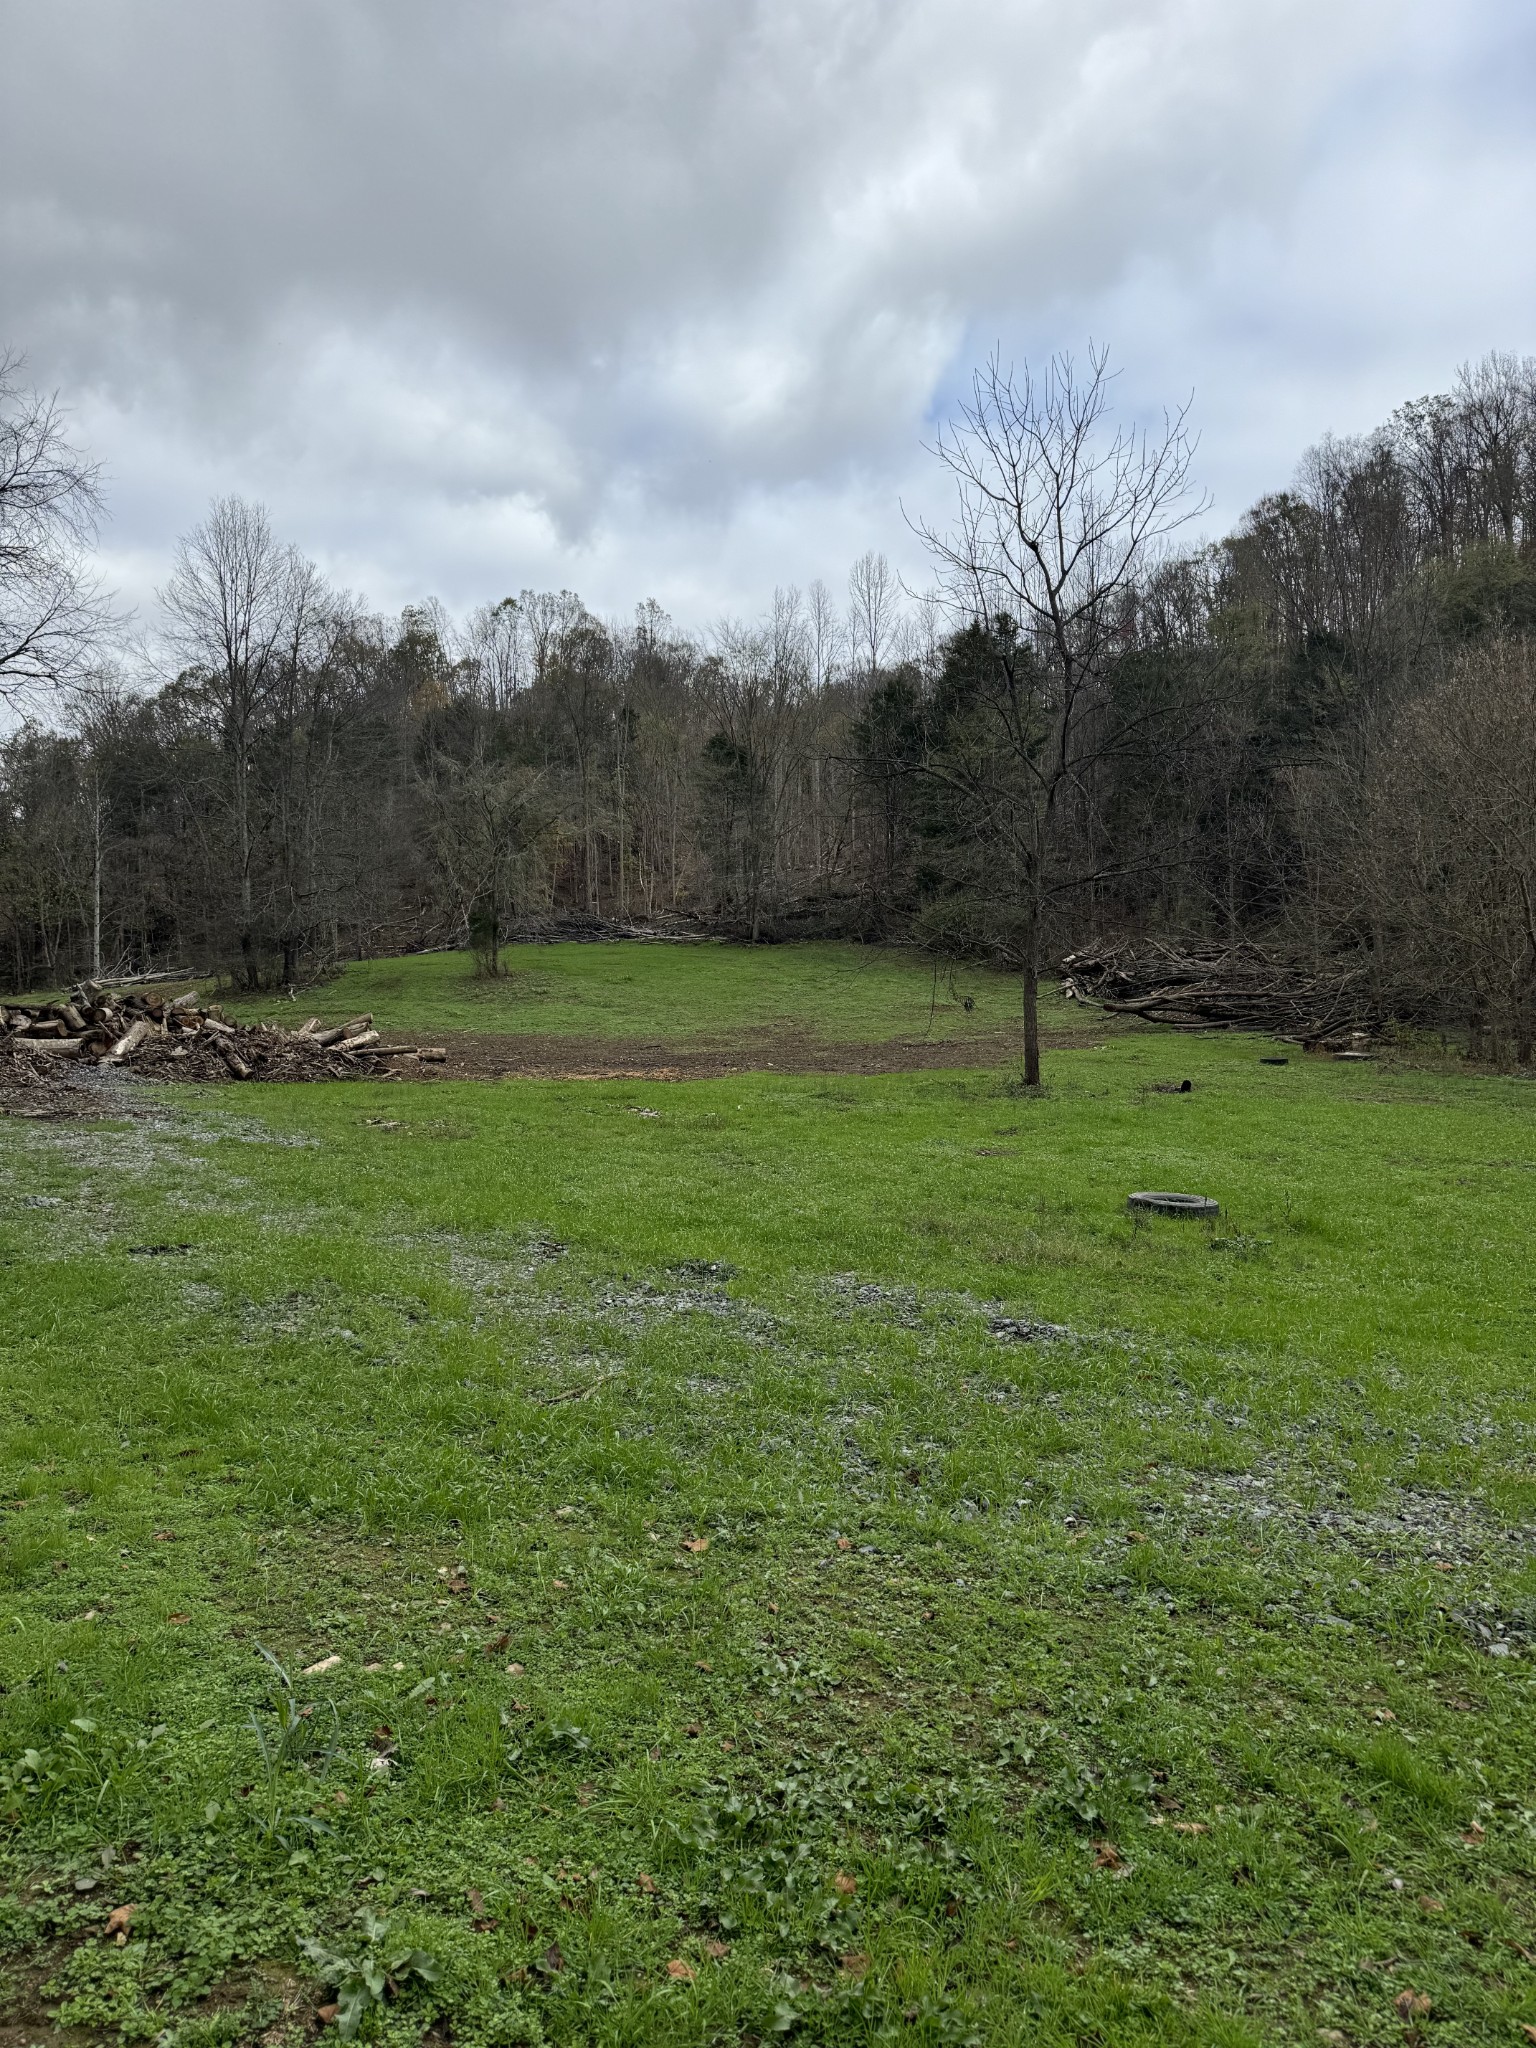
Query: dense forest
(1316, 736)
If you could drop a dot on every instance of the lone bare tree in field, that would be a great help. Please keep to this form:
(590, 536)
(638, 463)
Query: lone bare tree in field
(1060, 514)
(51, 610)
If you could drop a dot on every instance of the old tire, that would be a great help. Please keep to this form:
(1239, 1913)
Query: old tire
(1165, 1204)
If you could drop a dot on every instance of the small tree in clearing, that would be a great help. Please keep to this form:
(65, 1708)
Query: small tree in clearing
(1060, 513)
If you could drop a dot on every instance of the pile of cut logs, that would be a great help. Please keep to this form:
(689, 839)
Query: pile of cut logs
(180, 1038)
(1240, 990)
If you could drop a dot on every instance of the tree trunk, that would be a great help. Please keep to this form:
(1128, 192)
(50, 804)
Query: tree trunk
(96, 889)
(1032, 1002)
(243, 827)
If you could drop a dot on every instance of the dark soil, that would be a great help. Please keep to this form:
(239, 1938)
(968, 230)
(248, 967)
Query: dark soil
(489, 1056)
(42, 1088)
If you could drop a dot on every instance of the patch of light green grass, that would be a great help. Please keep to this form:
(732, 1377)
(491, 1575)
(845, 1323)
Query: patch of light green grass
(649, 990)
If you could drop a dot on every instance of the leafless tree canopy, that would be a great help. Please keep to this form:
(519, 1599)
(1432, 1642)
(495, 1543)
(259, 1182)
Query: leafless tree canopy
(1431, 849)
(1060, 508)
(51, 611)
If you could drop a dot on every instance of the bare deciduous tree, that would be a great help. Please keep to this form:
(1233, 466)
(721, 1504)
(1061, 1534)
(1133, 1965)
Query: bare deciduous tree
(496, 646)
(483, 818)
(577, 676)
(755, 685)
(1497, 399)
(1059, 514)
(235, 607)
(52, 613)
(1432, 847)
(874, 597)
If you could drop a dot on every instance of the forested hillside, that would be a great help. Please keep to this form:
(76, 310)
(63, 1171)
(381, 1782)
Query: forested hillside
(1317, 735)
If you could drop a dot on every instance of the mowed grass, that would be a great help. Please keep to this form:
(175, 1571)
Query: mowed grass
(743, 1633)
(678, 992)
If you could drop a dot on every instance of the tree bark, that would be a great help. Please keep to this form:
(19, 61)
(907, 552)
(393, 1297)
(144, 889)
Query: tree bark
(1032, 1003)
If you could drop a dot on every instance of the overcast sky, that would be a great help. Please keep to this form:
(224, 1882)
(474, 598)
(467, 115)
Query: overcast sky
(660, 298)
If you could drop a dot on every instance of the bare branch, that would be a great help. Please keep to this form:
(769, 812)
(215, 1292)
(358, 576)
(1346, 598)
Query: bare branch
(53, 613)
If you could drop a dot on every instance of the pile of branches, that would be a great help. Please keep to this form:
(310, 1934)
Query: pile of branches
(179, 1038)
(582, 928)
(1243, 989)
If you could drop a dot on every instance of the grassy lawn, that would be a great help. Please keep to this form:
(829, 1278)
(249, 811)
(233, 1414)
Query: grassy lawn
(680, 992)
(701, 1616)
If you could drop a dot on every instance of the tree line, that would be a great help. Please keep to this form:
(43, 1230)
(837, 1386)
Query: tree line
(1316, 735)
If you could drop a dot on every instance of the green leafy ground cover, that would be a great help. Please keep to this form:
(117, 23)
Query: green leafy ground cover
(683, 992)
(744, 1632)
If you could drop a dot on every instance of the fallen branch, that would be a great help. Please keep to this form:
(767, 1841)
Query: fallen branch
(578, 1393)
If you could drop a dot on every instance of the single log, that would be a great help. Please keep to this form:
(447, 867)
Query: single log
(433, 1052)
(217, 1025)
(356, 1044)
(343, 1034)
(155, 974)
(59, 1048)
(233, 1061)
(131, 1039)
(72, 1017)
(183, 1002)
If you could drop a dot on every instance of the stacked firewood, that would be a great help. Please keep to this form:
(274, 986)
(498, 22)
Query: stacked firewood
(1239, 990)
(182, 1038)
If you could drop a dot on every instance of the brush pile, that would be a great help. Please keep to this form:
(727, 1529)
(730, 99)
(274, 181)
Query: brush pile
(1240, 990)
(178, 1038)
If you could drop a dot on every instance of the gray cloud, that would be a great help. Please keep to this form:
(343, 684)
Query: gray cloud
(662, 299)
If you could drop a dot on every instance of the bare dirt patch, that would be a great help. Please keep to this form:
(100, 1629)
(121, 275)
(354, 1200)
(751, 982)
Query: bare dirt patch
(488, 1056)
(48, 1089)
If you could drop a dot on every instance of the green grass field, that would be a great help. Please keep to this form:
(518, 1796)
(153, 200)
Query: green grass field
(854, 994)
(739, 1632)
